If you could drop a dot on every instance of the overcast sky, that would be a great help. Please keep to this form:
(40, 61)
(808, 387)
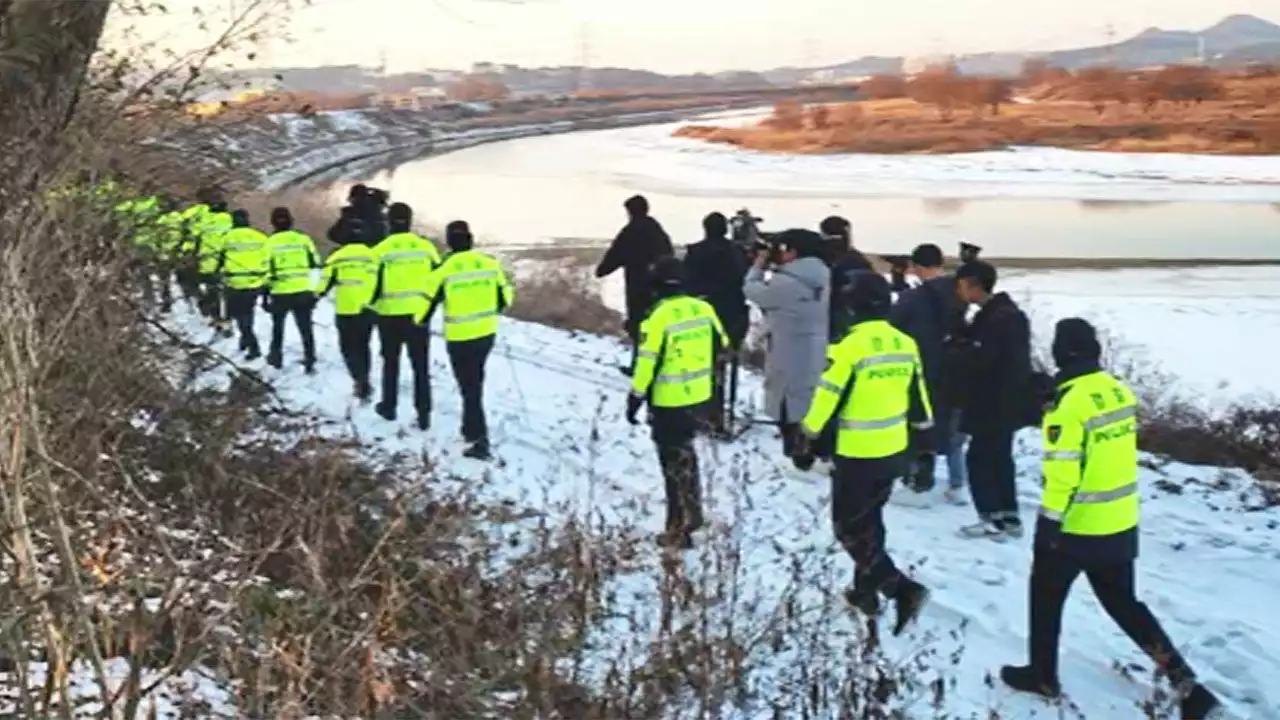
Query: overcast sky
(694, 35)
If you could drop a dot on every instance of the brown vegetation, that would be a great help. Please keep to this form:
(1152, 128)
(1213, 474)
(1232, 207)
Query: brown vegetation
(1173, 109)
(476, 88)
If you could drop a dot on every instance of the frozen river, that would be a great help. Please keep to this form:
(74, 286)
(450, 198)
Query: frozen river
(1216, 329)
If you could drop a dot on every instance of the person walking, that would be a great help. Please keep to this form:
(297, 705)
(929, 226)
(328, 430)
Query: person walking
(929, 313)
(844, 260)
(243, 263)
(673, 374)
(473, 290)
(210, 239)
(795, 299)
(715, 269)
(874, 386)
(351, 273)
(405, 263)
(995, 351)
(293, 257)
(638, 245)
(1088, 523)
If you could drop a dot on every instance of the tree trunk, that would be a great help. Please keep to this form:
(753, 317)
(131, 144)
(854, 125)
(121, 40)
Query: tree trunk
(45, 48)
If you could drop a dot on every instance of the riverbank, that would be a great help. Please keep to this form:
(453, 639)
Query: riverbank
(904, 126)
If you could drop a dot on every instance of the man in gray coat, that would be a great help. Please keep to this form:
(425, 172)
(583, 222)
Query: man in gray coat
(795, 299)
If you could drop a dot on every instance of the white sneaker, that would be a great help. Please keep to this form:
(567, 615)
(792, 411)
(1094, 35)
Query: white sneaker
(1013, 531)
(956, 496)
(982, 529)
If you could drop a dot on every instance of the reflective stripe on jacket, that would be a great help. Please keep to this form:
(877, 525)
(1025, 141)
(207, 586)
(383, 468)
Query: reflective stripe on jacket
(675, 360)
(292, 258)
(405, 264)
(352, 272)
(1091, 457)
(474, 290)
(245, 258)
(874, 386)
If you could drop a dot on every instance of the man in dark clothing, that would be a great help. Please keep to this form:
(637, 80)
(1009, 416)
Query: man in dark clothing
(929, 313)
(641, 242)
(714, 271)
(844, 260)
(996, 354)
(369, 206)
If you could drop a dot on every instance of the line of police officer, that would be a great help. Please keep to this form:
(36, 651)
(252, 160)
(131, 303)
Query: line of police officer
(393, 281)
(874, 387)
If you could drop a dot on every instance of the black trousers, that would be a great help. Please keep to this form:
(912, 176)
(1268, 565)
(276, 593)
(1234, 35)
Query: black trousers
(189, 282)
(240, 308)
(1052, 574)
(673, 430)
(299, 305)
(210, 302)
(859, 491)
(398, 334)
(468, 359)
(992, 477)
(354, 333)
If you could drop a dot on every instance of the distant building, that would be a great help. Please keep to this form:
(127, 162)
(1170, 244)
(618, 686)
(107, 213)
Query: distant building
(415, 99)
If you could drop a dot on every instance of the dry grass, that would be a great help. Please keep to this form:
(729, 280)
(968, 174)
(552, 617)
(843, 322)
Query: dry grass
(1245, 122)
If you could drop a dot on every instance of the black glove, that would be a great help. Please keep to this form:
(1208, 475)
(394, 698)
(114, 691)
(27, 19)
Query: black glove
(1048, 535)
(634, 404)
(922, 469)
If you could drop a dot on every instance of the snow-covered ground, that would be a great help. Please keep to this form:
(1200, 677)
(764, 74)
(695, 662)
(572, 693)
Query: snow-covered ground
(1209, 569)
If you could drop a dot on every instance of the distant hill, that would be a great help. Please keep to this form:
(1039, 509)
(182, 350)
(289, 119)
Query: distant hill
(1235, 41)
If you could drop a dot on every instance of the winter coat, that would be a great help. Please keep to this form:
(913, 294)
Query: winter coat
(841, 268)
(715, 270)
(794, 300)
(637, 246)
(994, 353)
(929, 312)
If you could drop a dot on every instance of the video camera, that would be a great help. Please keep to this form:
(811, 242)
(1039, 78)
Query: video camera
(744, 229)
(969, 252)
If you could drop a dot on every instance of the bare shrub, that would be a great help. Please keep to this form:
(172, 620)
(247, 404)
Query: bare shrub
(563, 300)
(884, 87)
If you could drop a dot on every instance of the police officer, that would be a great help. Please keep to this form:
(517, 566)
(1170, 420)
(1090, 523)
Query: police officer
(473, 289)
(209, 241)
(675, 363)
(875, 386)
(351, 272)
(186, 263)
(243, 262)
(292, 258)
(1088, 520)
(405, 264)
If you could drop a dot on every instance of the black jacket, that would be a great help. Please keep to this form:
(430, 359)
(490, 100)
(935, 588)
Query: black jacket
(842, 266)
(994, 354)
(714, 271)
(929, 313)
(637, 245)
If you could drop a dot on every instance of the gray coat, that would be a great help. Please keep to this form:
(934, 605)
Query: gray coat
(794, 299)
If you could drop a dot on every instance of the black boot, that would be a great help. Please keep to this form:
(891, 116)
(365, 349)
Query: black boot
(275, 361)
(1029, 680)
(385, 411)
(1200, 704)
(478, 450)
(363, 390)
(910, 599)
(867, 603)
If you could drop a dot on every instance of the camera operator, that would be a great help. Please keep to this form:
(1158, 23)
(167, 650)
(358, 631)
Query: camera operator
(715, 269)
(844, 260)
(369, 206)
(795, 299)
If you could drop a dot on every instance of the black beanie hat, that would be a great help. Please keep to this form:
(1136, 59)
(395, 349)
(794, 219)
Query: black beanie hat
(400, 214)
(1075, 341)
(457, 235)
